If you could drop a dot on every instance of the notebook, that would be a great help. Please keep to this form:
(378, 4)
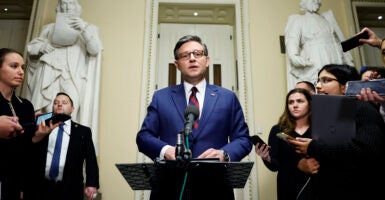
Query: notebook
(333, 118)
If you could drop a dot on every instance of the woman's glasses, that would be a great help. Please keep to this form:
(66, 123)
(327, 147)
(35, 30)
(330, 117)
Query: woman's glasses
(324, 80)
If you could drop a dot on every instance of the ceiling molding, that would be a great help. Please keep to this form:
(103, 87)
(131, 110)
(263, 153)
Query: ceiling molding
(184, 13)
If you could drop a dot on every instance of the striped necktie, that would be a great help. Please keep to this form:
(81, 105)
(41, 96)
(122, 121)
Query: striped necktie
(54, 170)
(194, 102)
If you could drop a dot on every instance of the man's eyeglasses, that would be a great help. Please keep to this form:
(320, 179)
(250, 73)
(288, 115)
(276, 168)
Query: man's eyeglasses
(324, 80)
(187, 55)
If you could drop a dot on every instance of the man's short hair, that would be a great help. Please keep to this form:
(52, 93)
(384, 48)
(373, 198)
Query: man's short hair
(378, 69)
(308, 84)
(65, 94)
(189, 38)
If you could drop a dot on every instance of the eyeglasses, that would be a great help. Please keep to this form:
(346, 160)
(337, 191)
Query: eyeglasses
(187, 55)
(324, 80)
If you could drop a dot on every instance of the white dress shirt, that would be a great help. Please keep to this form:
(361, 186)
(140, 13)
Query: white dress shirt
(63, 152)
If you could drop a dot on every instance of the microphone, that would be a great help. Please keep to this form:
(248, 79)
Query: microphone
(179, 147)
(191, 114)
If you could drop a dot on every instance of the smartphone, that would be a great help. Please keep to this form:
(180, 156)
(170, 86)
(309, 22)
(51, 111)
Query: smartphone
(354, 41)
(55, 118)
(354, 87)
(43, 117)
(285, 136)
(256, 139)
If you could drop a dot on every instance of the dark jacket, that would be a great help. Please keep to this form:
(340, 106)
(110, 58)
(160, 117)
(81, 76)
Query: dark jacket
(14, 153)
(352, 171)
(80, 150)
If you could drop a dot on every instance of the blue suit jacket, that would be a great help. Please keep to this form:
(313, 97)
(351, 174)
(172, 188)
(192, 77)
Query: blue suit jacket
(221, 126)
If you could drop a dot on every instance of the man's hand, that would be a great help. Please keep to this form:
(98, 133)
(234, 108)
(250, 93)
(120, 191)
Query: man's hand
(368, 95)
(373, 39)
(170, 154)
(212, 153)
(308, 165)
(91, 193)
(43, 130)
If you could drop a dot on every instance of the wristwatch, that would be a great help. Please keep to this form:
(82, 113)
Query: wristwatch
(226, 156)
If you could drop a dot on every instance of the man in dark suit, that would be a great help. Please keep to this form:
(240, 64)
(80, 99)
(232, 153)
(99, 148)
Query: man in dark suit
(221, 132)
(76, 148)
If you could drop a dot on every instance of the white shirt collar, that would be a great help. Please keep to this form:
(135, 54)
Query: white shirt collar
(200, 86)
(66, 127)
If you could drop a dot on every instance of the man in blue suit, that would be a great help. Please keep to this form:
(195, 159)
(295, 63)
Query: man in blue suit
(222, 132)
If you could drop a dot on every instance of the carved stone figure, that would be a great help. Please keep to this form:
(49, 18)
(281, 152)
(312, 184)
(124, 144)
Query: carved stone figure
(312, 40)
(66, 58)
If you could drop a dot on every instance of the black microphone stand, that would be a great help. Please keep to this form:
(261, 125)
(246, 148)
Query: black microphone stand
(182, 149)
(183, 158)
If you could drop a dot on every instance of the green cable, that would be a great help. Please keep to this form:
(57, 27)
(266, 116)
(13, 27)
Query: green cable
(183, 185)
(185, 175)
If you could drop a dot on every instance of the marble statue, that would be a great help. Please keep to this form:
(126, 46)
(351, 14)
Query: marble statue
(66, 57)
(312, 40)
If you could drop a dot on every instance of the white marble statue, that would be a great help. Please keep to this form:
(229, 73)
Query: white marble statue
(312, 40)
(66, 58)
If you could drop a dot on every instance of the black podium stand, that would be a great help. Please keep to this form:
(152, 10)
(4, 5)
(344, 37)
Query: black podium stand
(198, 179)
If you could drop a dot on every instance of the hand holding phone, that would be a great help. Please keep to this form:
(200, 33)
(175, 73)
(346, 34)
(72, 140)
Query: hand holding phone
(354, 87)
(44, 116)
(256, 139)
(60, 117)
(354, 41)
(285, 136)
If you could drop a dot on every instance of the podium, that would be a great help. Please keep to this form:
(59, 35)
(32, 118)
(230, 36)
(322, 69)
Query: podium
(198, 178)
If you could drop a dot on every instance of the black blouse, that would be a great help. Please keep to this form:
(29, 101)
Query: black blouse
(15, 152)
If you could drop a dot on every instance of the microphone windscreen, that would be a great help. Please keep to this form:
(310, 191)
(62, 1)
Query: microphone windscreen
(192, 109)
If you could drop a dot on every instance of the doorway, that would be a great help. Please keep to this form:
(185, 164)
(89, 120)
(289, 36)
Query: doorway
(368, 13)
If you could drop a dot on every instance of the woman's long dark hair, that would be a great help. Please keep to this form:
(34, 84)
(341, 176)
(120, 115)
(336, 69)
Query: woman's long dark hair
(287, 122)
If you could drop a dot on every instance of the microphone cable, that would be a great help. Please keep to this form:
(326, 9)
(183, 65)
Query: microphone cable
(186, 173)
(303, 187)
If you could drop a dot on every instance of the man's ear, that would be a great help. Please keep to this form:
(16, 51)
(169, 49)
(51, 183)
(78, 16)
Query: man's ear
(176, 64)
(207, 61)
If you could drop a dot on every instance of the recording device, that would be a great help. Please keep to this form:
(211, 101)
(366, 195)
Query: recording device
(354, 41)
(179, 147)
(256, 139)
(191, 114)
(354, 87)
(50, 116)
(285, 136)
